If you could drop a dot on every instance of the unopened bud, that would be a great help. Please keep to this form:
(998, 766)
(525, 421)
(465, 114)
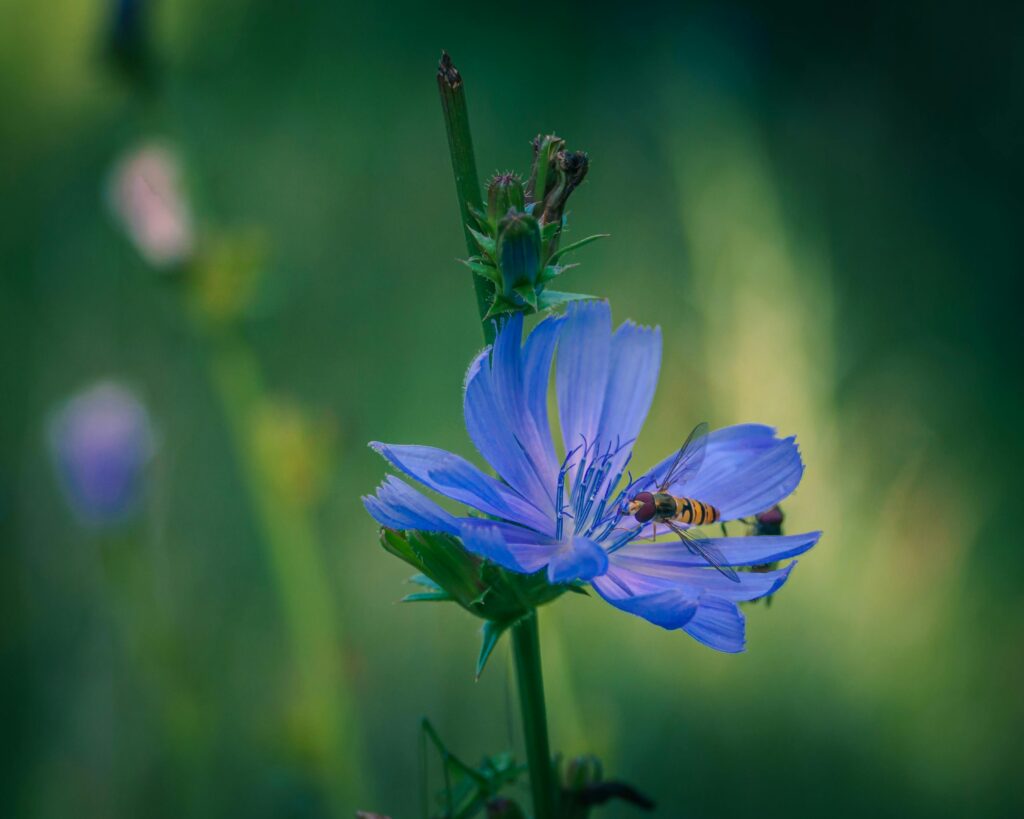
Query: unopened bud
(570, 170)
(518, 250)
(770, 521)
(504, 193)
(543, 174)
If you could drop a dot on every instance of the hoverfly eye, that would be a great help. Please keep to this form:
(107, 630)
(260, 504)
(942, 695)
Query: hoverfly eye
(647, 508)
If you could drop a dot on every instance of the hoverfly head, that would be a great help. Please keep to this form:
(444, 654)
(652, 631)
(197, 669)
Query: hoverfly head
(642, 507)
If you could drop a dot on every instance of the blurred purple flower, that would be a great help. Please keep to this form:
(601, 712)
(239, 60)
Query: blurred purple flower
(146, 196)
(101, 441)
(568, 516)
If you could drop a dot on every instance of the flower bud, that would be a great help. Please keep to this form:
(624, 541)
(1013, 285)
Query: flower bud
(504, 193)
(101, 441)
(570, 170)
(769, 522)
(518, 251)
(544, 171)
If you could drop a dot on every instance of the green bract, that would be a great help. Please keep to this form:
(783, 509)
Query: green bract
(450, 573)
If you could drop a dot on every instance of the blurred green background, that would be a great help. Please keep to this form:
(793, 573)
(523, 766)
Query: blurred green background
(819, 205)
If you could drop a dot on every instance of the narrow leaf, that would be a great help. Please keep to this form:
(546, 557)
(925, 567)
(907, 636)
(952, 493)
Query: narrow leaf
(554, 298)
(486, 242)
(576, 246)
(480, 216)
(482, 268)
(554, 270)
(427, 597)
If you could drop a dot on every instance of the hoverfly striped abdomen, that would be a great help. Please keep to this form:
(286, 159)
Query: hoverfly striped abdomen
(694, 512)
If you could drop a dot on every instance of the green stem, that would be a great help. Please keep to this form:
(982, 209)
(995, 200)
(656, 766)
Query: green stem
(525, 634)
(467, 184)
(530, 681)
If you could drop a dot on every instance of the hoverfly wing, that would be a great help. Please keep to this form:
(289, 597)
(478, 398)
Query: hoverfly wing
(704, 549)
(690, 458)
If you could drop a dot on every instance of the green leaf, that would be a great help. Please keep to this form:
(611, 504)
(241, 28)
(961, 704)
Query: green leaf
(483, 268)
(423, 580)
(554, 298)
(427, 597)
(492, 633)
(485, 242)
(396, 543)
(576, 246)
(480, 217)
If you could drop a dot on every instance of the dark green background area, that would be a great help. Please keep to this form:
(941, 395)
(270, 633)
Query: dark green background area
(819, 206)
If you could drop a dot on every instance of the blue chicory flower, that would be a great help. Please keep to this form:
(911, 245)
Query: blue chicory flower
(101, 441)
(568, 515)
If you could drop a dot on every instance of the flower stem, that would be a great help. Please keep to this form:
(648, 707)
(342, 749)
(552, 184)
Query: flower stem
(530, 681)
(467, 184)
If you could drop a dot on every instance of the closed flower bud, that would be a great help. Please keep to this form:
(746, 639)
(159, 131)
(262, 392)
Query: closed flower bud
(544, 170)
(769, 522)
(504, 193)
(518, 252)
(570, 170)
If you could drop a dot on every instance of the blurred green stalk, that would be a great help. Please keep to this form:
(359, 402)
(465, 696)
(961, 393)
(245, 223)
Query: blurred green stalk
(525, 633)
(326, 718)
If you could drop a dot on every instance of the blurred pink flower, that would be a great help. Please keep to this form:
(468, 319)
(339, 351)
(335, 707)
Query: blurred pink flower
(147, 198)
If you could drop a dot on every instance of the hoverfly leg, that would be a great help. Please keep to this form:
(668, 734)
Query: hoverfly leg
(724, 530)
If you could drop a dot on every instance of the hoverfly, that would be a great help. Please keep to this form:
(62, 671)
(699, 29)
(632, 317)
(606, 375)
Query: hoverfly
(662, 507)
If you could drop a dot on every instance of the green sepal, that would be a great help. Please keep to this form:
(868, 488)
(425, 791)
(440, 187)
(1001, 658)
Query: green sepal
(577, 589)
(554, 298)
(483, 268)
(500, 306)
(549, 230)
(528, 293)
(576, 246)
(485, 242)
(481, 587)
(492, 632)
(482, 221)
(553, 271)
